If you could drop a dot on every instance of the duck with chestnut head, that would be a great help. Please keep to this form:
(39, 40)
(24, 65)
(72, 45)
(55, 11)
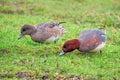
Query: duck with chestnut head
(92, 40)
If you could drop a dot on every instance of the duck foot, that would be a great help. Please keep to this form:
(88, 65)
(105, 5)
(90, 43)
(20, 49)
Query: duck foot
(100, 51)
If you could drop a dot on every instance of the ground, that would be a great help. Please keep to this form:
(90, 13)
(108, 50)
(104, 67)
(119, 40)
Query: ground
(30, 60)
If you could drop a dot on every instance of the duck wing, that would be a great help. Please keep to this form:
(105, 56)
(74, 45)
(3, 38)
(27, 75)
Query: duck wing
(90, 39)
(51, 27)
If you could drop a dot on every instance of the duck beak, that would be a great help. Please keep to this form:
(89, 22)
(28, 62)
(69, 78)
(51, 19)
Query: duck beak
(62, 53)
(20, 36)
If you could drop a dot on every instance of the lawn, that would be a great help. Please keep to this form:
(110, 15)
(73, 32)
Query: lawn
(25, 59)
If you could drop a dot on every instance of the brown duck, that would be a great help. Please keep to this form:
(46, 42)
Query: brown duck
(46, 32)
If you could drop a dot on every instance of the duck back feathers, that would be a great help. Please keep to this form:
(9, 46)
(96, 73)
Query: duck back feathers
(91, 39)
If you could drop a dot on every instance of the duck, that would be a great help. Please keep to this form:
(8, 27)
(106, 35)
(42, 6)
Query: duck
(45, 32)
(91, 40)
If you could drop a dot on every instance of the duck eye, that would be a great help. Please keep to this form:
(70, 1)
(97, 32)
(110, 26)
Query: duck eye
(65, 46)
(24, 30)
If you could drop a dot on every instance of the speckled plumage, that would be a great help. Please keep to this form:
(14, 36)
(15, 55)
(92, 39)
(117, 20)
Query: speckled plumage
(45, 32)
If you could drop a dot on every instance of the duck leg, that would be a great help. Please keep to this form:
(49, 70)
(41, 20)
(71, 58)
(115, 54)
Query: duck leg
(100, 51)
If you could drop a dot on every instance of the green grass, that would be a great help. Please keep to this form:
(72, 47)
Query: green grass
(35, 60)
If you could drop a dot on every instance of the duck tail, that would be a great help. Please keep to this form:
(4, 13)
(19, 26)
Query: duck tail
(61, 22)
(101, 28)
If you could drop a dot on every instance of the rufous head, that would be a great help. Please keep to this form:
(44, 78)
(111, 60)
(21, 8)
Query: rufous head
(69, 46)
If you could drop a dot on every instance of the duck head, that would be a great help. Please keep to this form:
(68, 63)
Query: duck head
(26, 30)
(69, 46)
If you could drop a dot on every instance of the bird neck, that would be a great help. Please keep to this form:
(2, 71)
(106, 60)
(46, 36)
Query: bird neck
(76, 44)
(33, 31)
